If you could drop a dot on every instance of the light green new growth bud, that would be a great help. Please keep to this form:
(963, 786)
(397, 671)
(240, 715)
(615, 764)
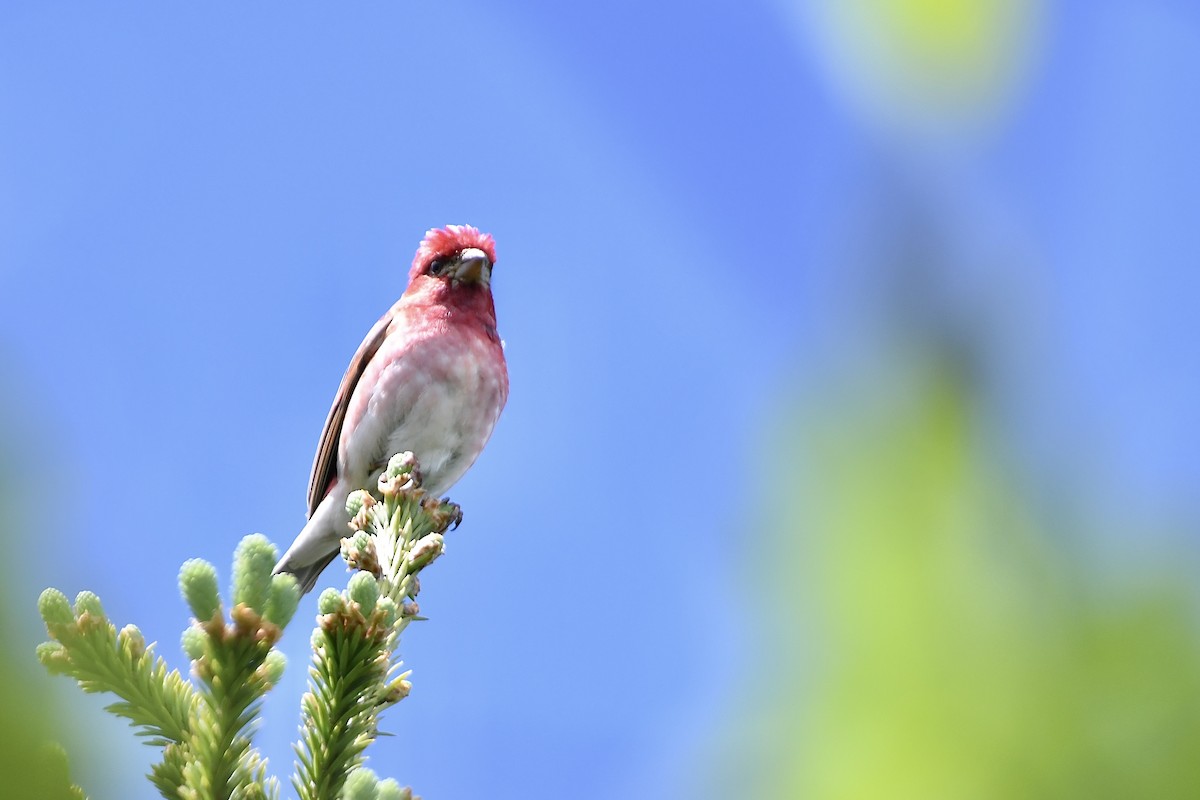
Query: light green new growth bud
(364, 590)
(194, 642)
(361, 785)
(401, 464)
(398, 689)
(401, 474)
(252, 564)
(88, 603)
(357, 501)
(198, 585)
(317, 640)
(282, 600)
(330, 601)
(273, 667)
(355, 546)
(53, 657)
(426, 550)
(133, 639)
(390, 612)
(54, 608)
(390, 790)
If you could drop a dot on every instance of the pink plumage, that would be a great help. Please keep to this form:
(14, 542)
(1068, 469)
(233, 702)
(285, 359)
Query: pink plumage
(429, 377)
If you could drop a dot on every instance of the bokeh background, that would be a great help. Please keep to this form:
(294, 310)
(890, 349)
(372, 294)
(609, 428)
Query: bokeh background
(852, 449)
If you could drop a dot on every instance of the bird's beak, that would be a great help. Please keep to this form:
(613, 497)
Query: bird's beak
(474, 267)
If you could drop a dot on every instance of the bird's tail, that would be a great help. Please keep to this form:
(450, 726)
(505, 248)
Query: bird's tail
(307, 575)
(318, 543)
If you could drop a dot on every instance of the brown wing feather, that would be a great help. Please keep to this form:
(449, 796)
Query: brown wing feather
(324, 468)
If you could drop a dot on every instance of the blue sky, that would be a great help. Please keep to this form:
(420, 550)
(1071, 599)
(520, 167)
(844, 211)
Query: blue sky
(202, 211)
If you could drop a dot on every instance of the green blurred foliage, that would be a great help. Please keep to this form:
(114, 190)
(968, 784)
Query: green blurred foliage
(931, 635)
(32, 765)
(927, 61)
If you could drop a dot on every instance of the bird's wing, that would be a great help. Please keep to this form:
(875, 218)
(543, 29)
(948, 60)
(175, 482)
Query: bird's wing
(324, 468)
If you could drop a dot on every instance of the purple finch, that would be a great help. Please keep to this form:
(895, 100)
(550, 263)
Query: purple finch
(430, 377)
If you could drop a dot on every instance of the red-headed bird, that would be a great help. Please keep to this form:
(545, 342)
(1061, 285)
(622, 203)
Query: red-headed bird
(430, 377)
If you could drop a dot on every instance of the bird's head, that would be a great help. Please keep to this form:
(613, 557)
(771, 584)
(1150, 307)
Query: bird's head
(455, 255)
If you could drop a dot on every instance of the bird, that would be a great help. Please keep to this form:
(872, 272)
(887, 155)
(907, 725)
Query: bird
(430, 377)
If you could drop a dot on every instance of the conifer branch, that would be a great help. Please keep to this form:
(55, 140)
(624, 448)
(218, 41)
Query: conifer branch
(205, 727)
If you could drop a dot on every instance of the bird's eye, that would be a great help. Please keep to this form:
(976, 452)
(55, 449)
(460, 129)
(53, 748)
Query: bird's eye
(437, 265)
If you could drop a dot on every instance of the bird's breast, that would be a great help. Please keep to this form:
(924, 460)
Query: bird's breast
(439, 397)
